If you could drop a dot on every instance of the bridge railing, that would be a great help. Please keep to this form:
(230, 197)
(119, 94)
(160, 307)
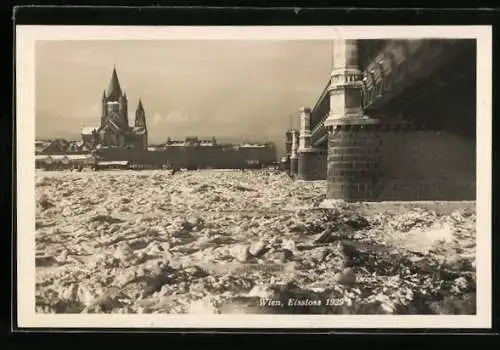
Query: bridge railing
(401, 63)
(397, 65)
(319, 130)
(316, 114)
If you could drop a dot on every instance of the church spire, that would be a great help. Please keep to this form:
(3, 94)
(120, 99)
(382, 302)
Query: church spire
(114, 90)
(140, 115)
(139, 106)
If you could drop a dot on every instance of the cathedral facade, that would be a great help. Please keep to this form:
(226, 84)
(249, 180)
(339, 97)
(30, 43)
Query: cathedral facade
(115, 131)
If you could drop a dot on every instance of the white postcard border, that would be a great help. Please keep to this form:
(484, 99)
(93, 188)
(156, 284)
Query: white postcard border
(26, 36)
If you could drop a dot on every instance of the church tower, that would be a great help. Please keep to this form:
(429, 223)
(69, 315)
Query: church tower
(103, 107)
(114, 128)
(115, 131)
(124, 107)
(140, 127)
(115, 102)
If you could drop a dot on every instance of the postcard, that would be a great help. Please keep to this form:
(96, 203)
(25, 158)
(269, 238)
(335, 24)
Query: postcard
(253, 177)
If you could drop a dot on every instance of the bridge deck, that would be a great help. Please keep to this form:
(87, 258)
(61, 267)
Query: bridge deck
(425, 88)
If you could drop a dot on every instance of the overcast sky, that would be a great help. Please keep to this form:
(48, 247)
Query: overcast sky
(233, 90)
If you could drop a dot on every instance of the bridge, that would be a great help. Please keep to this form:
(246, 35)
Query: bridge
(395, 121)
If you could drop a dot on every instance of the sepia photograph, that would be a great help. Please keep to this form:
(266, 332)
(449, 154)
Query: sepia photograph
(263, 177)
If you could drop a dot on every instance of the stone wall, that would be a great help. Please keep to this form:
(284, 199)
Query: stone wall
(427, 165)
(312, 165)
(353, 163)
(194, 157)
(403, 165)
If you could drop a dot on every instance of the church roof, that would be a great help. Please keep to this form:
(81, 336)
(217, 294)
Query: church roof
(111, 125)
(139, 106)
(114, 89)
(140, 118)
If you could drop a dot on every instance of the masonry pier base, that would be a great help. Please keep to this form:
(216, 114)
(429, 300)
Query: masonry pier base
(294, 161)
(312, 164)
(391, 162)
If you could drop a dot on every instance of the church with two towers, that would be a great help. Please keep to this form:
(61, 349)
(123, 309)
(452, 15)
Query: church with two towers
(115, 131)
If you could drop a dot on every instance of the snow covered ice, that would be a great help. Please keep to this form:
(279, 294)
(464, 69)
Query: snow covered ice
(219, 241)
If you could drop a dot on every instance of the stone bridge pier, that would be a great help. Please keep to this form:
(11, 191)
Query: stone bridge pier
(396, 122)
(312, 161)
(294, 159)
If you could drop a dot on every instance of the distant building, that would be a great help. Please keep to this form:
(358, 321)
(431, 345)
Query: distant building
(115, 131)
(114, 140)
(62, 146)
(64, 161)
(41, 145)
(192, 141)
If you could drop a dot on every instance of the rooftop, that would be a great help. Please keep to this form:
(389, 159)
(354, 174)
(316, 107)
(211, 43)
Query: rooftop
(87, 130)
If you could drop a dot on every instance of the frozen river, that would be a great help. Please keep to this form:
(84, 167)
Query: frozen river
(226, 241)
